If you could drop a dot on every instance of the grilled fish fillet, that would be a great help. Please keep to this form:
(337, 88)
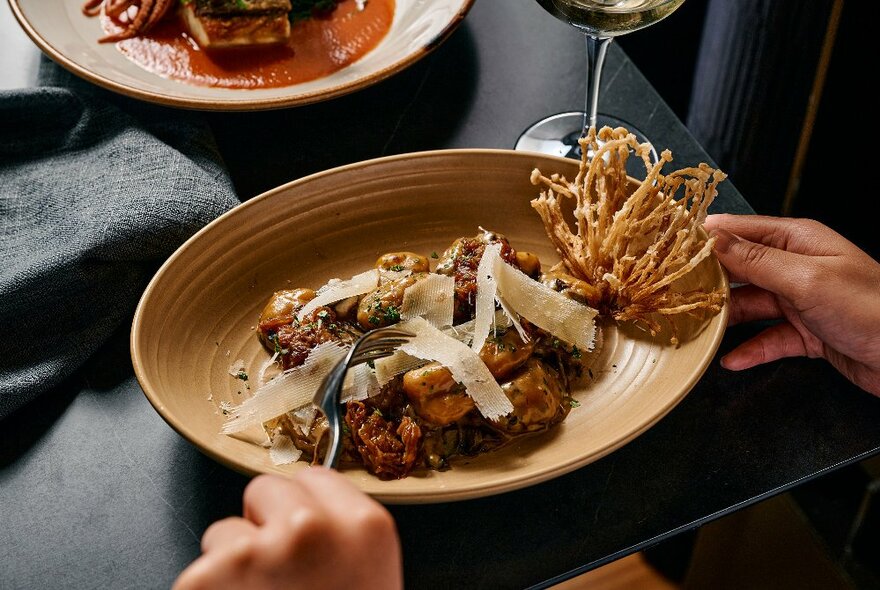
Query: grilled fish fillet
(235, 23)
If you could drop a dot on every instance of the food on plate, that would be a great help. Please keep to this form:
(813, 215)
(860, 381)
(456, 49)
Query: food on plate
(132, 17)
(630, 245)
(243, 43)
(473, 378)
(501, 344)
(230, 23)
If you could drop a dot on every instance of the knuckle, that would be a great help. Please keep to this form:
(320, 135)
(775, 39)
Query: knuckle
(257, 487)
(373, 521)
(303, 528)
(752, 254)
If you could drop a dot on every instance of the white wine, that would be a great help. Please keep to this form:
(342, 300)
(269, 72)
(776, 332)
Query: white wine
(610, 18)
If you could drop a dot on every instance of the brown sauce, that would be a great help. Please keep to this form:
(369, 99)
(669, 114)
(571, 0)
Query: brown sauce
(317, 47)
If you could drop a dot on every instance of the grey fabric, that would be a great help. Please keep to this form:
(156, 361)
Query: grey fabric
(96, 190)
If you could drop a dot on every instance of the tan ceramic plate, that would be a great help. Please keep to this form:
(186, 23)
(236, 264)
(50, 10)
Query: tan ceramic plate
(59, 28)
(199, 312)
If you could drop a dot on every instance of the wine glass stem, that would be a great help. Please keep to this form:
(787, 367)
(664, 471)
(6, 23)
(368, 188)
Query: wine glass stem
(597, 47)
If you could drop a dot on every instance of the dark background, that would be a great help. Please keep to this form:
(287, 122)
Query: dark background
(833, 187)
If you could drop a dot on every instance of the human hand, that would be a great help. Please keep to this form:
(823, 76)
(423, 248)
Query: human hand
(825, 290)
(313, 530)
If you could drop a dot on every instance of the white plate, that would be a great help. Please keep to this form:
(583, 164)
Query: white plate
(60, 29)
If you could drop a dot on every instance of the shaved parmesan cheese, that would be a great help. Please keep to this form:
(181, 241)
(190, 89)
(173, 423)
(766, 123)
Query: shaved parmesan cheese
(283, 451)
(337, 290)
(465, 365)
(237, 368)
(399, 362)
(512, 317)
(520, 295)
(431, 298)
(304, 417)
(486, 290)
(261, 376)
(393, 275)
(359, 384)
(288, 391)
(553, 312)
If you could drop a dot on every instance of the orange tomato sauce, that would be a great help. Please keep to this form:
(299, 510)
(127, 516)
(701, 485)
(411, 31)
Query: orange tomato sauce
(317, 47)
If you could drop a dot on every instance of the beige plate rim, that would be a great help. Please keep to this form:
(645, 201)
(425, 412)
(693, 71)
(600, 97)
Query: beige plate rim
(208, 104)
(465, 493)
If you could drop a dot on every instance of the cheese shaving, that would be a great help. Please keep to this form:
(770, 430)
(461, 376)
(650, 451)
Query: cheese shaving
(487, 287)
(465, 365)
(360, 383)
(520, 295)
(304, 417)
(337, 290)
(261, 376)
(288, 391)
(432, 298)
(237, 368)
(553, 312)
(283, 451)
(399, 362)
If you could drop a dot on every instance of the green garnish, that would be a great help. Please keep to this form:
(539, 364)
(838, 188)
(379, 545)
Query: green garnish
(434, 255)
(305, 9)
(392, 314)
(396, 267)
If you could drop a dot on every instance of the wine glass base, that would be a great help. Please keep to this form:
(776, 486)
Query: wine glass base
(557, 135)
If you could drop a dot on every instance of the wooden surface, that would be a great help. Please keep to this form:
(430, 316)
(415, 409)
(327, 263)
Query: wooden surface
(630, 573)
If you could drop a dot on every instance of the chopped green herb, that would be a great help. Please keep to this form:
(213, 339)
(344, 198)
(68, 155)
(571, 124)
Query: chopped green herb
(434, 255)
(392, 314)
(575, 352)
(396, 267)
(575, 403)
(242, 374)
(323, 314)
(305, 9)
(273, 338)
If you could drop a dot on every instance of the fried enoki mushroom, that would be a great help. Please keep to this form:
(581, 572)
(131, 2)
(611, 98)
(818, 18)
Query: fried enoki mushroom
(631, 245)
(134, 16)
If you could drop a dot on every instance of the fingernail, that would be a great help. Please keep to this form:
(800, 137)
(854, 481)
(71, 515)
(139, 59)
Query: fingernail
(723, 239)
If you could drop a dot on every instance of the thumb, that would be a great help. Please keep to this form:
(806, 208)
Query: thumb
(772, 269)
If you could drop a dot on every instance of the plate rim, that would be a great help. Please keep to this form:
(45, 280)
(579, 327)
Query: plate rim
(443, 495)
(233, 105)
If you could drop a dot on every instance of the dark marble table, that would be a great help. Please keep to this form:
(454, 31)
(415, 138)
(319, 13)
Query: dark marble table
(96, 491)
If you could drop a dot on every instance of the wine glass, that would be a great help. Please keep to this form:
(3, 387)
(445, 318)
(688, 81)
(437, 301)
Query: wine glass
(600, 21)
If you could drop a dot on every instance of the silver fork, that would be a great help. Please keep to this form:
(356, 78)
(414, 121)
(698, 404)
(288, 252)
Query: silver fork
(373, 345)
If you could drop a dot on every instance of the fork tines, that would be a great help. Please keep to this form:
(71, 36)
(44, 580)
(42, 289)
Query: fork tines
(376, 344)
